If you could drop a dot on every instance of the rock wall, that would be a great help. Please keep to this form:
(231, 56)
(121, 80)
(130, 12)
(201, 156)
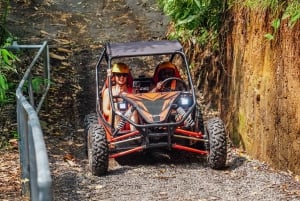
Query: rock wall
(261, 97)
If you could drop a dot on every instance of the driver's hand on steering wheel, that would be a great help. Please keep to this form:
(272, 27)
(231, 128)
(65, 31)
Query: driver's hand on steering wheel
(158, 86)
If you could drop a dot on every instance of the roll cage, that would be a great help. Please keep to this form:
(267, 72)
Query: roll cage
(112, 51)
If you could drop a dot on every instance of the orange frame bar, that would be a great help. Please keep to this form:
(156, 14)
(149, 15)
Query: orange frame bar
(124, 136)
(137, 149)
(197, 151)
(189, 133)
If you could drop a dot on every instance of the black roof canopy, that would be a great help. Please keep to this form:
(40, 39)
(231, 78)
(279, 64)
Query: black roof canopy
(143, 48)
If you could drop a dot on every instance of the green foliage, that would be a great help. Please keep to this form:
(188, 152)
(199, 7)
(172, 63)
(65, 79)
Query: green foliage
(260, 4)
(269, 36)
(15, 134)
(198, 19)
(7, 77)
(290, 9)
(7, 66)
(292, 12)
(201, 20)
(38, 84)
(3, 88)
(275, 24)
(7, 58)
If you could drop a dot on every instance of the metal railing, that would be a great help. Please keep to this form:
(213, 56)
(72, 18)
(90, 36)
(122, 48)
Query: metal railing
(36, 177)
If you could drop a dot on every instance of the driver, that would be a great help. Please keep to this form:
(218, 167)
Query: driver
(163, 71)
(121, 76)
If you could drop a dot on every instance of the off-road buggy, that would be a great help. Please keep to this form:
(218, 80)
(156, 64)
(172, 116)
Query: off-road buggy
(168, 119)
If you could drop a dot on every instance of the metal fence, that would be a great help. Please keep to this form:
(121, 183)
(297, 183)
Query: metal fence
(36, 177)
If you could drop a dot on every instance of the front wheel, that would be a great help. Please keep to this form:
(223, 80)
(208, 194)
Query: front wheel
(89, 120)
(97, 150)
(217, 145)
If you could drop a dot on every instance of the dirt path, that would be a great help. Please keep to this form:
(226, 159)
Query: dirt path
(81, 27)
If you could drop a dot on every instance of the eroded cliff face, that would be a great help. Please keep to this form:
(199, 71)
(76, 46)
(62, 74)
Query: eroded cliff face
(261, 97)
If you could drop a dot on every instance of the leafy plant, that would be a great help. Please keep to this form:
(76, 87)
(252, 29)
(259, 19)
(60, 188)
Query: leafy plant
(7, 58)
(15, 134)
(269, 36)
(7, 76)
(7, 66)
(275, 24)
(38, 84)
(292, 12)
(3, 88)
(200, 19)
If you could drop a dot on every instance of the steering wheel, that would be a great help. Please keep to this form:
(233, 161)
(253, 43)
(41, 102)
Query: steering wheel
(169, 80)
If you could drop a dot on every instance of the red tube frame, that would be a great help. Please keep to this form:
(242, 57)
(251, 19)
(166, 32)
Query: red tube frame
(136, 149)
(189, 149)
(189, 133)
(174, 146)
(125, 136)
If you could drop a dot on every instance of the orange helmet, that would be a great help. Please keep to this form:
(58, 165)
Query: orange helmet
(163, 66)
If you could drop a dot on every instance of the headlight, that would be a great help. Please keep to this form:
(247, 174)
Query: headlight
(185, 100)
(122, 106)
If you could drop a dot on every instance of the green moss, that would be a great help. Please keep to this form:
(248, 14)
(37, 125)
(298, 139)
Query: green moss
(235, 137)
(242, 122)
(239, 130)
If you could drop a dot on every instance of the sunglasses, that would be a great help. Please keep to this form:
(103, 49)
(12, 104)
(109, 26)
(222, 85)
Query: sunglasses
(121, 74)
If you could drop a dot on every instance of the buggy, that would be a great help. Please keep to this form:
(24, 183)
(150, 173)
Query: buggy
(168, 119)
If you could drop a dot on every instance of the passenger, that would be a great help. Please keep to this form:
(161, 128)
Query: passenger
(164, 71)
(120, 74)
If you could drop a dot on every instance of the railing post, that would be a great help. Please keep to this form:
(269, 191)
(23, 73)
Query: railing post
(23, 148)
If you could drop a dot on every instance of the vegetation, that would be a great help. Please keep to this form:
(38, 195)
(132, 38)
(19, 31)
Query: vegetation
(7, 58)
(9, 80)
(292, 12)
(7, 67)
(7, 71)
(201, 20)
(281, 10)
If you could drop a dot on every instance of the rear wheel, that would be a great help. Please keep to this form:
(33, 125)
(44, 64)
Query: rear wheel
(97, 150)
(217, 146)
